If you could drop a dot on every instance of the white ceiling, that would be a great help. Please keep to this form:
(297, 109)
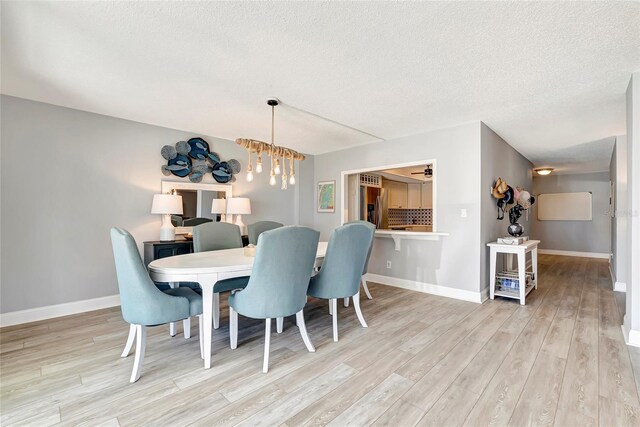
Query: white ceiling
(408, 174)
(550, 78)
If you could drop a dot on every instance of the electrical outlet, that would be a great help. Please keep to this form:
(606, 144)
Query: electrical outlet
(463, 213)
(388, 264)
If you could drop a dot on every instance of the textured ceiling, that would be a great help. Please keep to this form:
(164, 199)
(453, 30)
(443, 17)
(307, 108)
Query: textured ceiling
(548, 77)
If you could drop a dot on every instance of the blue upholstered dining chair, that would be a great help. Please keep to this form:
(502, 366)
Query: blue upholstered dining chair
(142, 303)
(366, 264)
(278, 284)
(257, 228)
(214, 236)
(342, 268)
(193, 222)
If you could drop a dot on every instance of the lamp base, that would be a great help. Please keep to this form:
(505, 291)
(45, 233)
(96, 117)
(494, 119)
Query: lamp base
(239, 223)
(167, 230)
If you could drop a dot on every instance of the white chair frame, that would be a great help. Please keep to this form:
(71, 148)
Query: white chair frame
(138, 333)
(233, 334)
(333, 311)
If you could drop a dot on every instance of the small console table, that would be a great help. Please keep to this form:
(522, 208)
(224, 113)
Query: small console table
(521, 251)
(157, 249)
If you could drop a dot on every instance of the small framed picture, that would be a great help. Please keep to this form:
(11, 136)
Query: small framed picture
(326, 196)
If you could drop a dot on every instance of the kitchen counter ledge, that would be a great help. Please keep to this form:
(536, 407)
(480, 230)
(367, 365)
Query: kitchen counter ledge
(398, 236)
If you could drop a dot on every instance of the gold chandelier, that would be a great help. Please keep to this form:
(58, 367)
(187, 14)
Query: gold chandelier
(274, 152)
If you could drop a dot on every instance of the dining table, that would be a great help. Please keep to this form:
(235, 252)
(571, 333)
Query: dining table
(206, 269)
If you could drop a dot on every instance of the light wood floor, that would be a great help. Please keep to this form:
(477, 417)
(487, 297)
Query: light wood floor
(426, 360)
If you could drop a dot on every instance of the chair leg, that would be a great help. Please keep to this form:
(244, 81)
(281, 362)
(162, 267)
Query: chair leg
(186, 326)
(346, 302)
(279, 324)
(130, 339)
(201, 335)
(356, 305)
(303, 331)
(334, 304)
(216, 310)
(366, 288)
(267, 340)
(233, 328)
(330, 308)
(173, 326)
(141, 338)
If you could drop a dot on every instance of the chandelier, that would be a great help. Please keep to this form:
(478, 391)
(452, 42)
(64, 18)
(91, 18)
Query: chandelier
(274, 152)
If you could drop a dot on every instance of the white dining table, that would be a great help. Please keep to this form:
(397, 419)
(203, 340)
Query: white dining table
(207, 268)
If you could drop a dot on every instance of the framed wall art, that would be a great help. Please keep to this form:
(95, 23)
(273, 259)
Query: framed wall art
(326, 196)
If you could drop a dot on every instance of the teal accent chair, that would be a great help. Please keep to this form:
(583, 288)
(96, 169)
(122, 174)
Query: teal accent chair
(176, 220)
(366, 264)
(342, 268)
(192, 222)
(257, 228)
(142, 303)
(278, 284)
(215, 236)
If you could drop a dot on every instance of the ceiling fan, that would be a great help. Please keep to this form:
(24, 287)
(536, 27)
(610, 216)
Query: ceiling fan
(428, 172)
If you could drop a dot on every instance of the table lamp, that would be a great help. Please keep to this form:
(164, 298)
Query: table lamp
(239, 206)
(166, 205)
(219, 206)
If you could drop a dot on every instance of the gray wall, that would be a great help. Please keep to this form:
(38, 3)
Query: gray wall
(453, 261)
(613, 227)
(579, 236)
(632, 316)
(67, 176)
(620, 231)
(499, 159)
(304, 195)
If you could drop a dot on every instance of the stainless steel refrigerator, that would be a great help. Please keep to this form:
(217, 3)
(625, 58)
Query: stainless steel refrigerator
(373, 206)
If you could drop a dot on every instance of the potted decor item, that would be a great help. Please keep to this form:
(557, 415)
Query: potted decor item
(514, 228)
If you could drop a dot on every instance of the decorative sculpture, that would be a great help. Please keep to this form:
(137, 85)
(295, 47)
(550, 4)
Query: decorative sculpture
(194, 159)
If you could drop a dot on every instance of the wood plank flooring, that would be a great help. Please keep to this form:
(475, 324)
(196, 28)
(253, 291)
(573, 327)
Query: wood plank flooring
(424, 360)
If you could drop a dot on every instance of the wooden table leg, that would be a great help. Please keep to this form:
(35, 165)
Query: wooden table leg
(492, 273)
(522, 265)
(534, 265)
(173, 330)
(207, 319)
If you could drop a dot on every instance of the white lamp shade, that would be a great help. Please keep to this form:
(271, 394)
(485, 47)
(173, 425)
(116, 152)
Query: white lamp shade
(239, 206)
(218, 206)
(166, 204)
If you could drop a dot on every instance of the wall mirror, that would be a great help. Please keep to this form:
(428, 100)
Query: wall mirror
(396, 198)
(197, 199)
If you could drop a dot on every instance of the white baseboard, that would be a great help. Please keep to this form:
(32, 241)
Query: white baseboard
(574, 253)
(51, 311)
(631, 337)
(620, 287)
(426, 288)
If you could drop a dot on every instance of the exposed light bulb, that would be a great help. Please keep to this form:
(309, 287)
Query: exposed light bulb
(272, 180)
(249, 176)
(284, 182)
(276, 169)
(259, 165)
(292, 180)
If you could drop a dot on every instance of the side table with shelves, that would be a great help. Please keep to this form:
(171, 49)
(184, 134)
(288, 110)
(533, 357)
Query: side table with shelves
(162, 249)
(520, 251)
